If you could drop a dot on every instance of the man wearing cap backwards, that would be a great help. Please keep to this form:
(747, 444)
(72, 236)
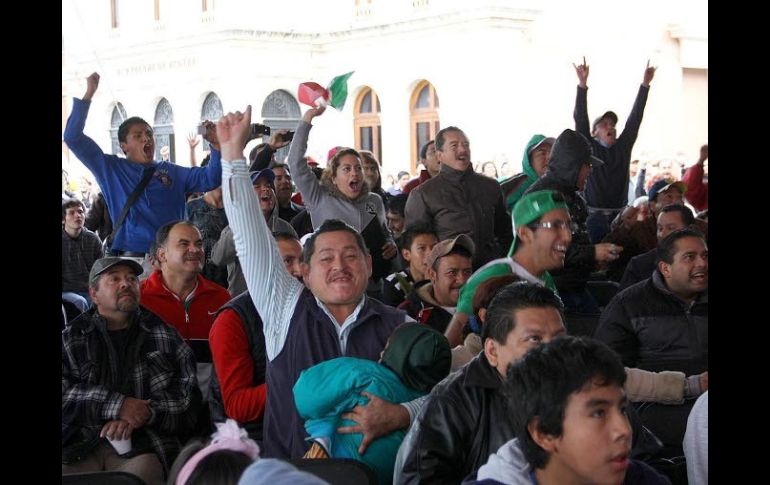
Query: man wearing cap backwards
(534, 162)
(542, 234)
(433, 301)
(331, 317)
(607, 190)
(461, 201)
(568, 170)
(125, 375)
(223, 252)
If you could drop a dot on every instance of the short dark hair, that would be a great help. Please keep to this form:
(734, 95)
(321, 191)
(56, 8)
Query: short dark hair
(397, 204)
(126, 125)
(539, 385)
(161, 235)
(285, 236)
(684, 212)
(331, 225)
(281, 165)
(411, 232)
(442, 133)
(67, 203)
(424, 149)
(667, 246)
(516, 296)
(401, 174)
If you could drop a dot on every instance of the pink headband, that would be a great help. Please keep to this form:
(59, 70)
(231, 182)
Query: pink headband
(228, 436)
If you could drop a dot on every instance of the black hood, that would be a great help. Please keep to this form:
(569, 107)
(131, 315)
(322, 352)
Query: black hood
(570, 151)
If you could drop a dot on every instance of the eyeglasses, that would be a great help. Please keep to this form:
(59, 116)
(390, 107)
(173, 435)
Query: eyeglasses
(559, 225)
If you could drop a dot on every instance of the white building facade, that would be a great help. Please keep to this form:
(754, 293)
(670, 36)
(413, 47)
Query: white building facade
(500, 70)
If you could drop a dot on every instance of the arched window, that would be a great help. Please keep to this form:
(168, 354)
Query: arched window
(423, 118)
(163, 129)
(212, 111)
(366, 123)
(118, 116)
(280, 110)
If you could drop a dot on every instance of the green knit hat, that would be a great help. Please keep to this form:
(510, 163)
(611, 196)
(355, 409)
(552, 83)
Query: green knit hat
(419, 355)
(532, 207)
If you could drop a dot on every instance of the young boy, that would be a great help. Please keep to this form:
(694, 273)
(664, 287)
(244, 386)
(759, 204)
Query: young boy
(415, 359)
(568, 410)
(416, 243)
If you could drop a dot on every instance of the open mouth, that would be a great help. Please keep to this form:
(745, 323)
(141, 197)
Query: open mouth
(148, 151)
(699, 277)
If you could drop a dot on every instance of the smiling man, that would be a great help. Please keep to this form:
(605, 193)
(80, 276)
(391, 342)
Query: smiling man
(177, 292)
(461, 201)
(331, 317)
(162, 200)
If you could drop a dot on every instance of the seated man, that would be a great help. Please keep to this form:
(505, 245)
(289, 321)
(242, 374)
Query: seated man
(125, 374)
(465, 419)
(433, 302)
(671, 218)
(662, 322)
(568, 410)
(542, 234)
(238, 389)
(331, 317)
(415, 359)
(79, 249)
(177, 292)
(416, 244)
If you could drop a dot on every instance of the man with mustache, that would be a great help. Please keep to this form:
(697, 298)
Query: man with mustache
(331, 317)
(177, 292)
(125, 375)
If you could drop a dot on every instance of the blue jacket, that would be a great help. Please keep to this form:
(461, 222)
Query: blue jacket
(162, 201)
(327, 390)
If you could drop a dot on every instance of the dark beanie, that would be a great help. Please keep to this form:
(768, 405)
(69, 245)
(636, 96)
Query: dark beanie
(419, 355)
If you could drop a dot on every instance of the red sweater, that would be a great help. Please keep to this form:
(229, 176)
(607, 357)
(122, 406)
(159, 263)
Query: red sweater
(229, 343)
(417, 181)
(697, 192)
(193, 318)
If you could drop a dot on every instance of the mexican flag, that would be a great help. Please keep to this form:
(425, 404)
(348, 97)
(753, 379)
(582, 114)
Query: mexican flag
(312, 94)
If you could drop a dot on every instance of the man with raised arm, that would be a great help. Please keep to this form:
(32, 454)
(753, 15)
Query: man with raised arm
(162, 200)
(330, 318)
(606, 193)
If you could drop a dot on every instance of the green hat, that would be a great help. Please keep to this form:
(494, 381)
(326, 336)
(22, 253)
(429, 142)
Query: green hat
(532, 207)
(419, 355)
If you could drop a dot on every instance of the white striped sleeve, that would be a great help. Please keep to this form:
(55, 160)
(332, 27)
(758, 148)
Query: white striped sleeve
(273, 290)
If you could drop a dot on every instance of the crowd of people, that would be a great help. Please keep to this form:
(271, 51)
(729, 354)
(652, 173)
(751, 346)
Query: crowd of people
(219, 320)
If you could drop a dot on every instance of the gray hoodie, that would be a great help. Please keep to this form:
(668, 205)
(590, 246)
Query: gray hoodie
(508, 466)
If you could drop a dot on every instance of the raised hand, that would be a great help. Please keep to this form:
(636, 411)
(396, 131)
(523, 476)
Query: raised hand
(582, 73)
(276, 139)
(92, 84)
(649, 73)
(192, 140)
(211, 134)
(312, 113)
(704, 154)
(233, 133)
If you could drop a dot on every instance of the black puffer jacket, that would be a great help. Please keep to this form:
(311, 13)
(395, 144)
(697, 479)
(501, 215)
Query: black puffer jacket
(562, 175)
(650, 328)
(463, 422)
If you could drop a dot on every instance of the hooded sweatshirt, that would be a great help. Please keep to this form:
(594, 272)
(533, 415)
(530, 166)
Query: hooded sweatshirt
(513, 187)
(562, 175)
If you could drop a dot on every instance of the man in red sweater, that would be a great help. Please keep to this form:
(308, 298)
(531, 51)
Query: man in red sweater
(238, 351)
(177, 292)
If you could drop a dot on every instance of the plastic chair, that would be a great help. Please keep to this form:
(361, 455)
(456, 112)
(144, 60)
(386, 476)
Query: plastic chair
(99, 478)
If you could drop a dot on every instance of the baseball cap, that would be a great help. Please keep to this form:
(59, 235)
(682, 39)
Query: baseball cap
(446, 246)
(266, 173)
(549, 140)
(663, 185)
(609, 114)
(103, 264)
(532, 207)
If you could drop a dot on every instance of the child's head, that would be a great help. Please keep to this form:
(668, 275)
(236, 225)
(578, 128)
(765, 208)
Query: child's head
(416, 242)
(568, 409)
(222, 461)
(419, 355)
